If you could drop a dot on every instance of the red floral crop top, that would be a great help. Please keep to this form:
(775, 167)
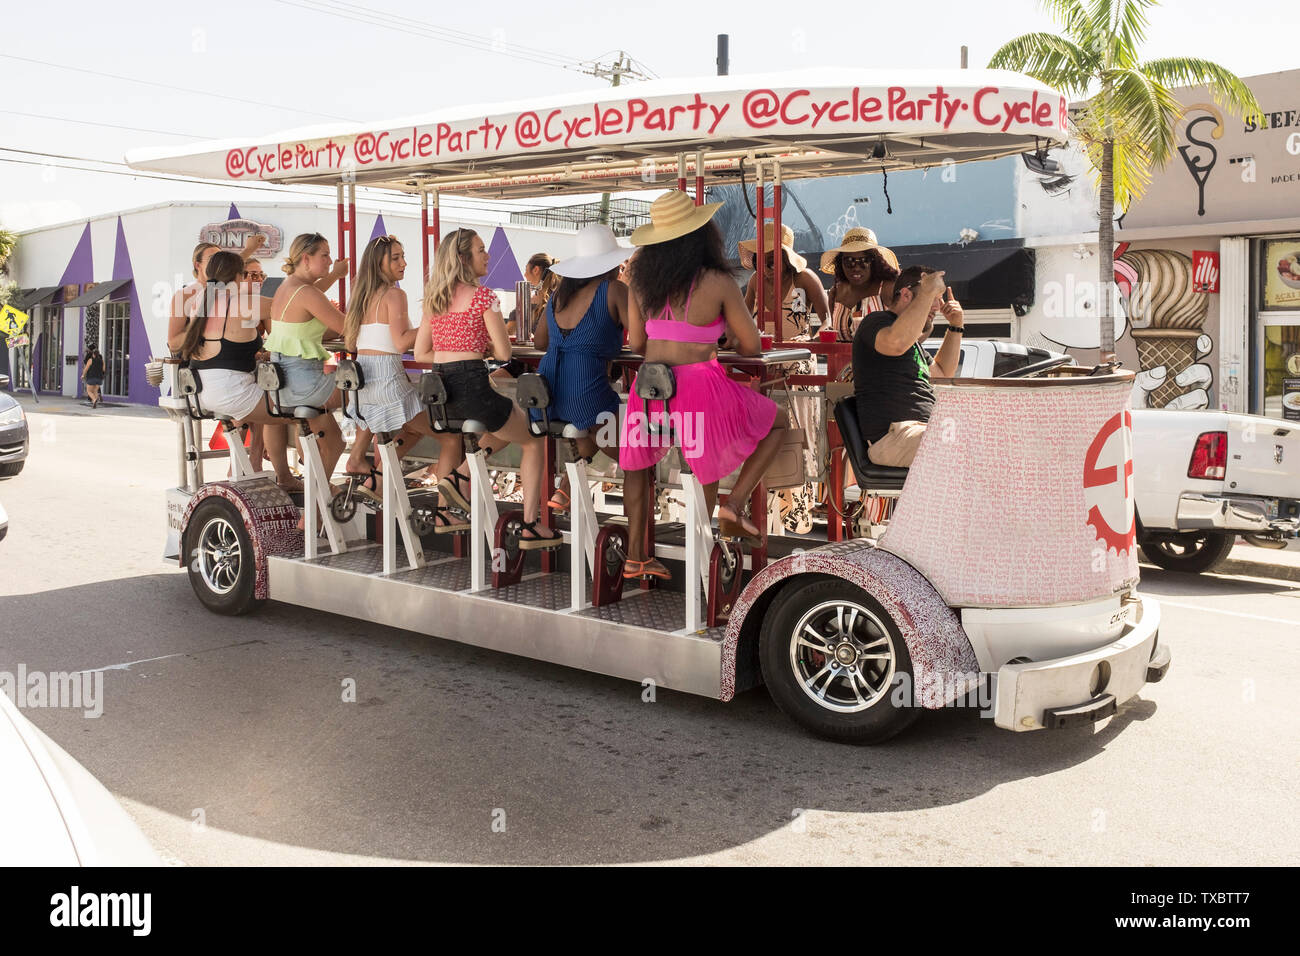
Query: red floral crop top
(464, 331)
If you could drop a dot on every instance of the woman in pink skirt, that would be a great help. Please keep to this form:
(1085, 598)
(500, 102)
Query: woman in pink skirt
(685, 302)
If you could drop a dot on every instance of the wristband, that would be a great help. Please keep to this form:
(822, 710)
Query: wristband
(956, 328)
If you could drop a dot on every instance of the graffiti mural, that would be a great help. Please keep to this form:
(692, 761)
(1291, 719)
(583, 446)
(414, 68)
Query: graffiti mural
(1166, 317)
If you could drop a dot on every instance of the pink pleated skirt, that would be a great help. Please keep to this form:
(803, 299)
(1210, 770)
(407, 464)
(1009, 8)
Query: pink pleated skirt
(717, 422)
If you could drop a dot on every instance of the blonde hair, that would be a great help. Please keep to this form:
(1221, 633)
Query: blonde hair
(550, 282)
(370, 286)
(201, 248)
(450, 269)
(302, 245)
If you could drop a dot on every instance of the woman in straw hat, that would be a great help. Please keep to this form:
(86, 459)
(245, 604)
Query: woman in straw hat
(581, 332)
(796, 278)
(683, 302)
(864, 274)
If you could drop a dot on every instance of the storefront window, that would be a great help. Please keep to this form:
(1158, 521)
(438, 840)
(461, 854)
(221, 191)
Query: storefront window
(1282, 371)
(116, 321)
(52, 351)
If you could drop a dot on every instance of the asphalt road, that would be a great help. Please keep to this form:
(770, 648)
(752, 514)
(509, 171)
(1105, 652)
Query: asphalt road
(230, 743)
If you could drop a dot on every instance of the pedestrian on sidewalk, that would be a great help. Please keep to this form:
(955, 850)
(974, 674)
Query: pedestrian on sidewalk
(92, 373)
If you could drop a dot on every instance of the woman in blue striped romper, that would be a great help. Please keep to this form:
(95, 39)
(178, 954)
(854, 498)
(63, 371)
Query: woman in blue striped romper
(582, 332)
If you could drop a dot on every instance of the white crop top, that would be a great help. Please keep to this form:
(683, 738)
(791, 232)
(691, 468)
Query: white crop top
(376, 337)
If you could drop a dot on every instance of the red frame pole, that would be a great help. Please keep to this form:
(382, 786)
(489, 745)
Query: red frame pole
(760, 299)
(343, 283)
(777, 273)
(699, 178)
(424, 237)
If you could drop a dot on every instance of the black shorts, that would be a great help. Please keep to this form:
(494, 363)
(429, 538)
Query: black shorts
(471, 395)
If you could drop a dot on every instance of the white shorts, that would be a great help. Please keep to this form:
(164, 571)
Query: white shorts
(226, 392)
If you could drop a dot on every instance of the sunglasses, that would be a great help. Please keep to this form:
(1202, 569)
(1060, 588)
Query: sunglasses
(859, 261)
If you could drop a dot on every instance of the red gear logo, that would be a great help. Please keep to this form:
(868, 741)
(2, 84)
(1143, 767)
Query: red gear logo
(1115, 442)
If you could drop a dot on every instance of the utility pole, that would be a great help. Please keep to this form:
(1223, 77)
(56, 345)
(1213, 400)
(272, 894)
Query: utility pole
(614, 72)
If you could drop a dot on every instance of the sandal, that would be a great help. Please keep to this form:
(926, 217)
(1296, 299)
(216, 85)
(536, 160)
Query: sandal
(367, 486)
(559, 501)
(444, 522)
(535, 538)
(649, 568)
(450, 489)
(737, 526)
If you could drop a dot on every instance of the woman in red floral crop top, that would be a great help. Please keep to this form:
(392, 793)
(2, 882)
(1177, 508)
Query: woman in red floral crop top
(462, 326)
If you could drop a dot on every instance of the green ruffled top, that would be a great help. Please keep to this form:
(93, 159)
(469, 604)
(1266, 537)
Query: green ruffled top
(302, 339)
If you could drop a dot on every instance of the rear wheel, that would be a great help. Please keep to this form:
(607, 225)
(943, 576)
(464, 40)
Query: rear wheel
(831, 658)
(222, 567)
(1191, 551)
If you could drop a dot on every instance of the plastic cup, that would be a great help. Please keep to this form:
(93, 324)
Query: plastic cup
(765, 342)
(827, 335)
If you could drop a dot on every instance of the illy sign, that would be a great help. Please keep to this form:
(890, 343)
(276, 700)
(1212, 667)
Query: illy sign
(234, 233)
(1205, 271)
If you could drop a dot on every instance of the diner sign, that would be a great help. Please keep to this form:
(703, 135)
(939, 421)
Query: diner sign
(800, 114)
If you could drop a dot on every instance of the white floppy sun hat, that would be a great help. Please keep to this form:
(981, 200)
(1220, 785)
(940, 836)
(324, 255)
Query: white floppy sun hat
(598, 253)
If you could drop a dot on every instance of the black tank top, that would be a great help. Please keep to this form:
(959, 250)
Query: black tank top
(235, 356)
(96, 368)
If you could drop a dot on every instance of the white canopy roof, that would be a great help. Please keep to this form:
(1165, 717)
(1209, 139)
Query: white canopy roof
(817, 122)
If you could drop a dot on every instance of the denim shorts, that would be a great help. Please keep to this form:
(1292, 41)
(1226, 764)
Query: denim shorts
(303, 381)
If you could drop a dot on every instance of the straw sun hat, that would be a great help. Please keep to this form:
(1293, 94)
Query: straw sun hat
(750, 246)
(857, 239)
(672, 216)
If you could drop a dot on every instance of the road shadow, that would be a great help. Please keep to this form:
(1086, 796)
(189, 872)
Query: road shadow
(245, 718)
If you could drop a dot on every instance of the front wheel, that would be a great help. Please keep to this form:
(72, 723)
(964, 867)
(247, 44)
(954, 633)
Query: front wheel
(832, 657)
(1190, 551)
(223, 568)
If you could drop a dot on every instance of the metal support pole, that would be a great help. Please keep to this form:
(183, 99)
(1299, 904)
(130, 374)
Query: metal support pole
(760, 300)
(582, 537)
(352, 237)
(699, 177)
(778, 256)
(550, 556)
(681, 172)
(424, 237)
(342, 245)
(437, 220)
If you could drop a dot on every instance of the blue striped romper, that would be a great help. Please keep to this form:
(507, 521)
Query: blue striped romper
(576, 361)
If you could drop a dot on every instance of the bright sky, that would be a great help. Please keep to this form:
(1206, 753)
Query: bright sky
(294, 62)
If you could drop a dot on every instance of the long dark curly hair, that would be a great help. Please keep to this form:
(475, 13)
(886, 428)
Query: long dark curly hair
(664, 271)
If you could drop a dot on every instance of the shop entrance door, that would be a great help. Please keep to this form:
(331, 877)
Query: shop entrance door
(52, 351)
(116, 321)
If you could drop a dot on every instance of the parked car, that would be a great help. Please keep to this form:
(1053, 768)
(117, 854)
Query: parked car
(1200, 477)
(13, 436)
(56, 813)
(4, 522)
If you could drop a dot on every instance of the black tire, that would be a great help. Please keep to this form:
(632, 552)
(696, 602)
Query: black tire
(222, 567)
(789, 665)
(1190, 551)
(11, 469)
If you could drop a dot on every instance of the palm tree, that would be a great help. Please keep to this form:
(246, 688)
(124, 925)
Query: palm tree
(1127, 125)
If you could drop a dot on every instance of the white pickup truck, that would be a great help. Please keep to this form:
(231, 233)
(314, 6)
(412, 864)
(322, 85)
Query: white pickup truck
(1200, 477)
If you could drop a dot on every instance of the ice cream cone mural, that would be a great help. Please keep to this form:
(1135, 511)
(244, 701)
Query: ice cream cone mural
(1167, 318)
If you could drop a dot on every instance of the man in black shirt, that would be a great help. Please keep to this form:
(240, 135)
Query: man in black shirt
(891, 372)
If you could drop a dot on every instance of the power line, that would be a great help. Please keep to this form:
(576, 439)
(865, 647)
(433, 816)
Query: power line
(428, 30)
(500, 45)
(173, 88)
(133, 129)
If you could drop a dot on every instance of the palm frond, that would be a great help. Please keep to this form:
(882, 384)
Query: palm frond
(1228, 89)
(1070, 14)
(1144, 111)
(1123, 20)
(1054, 60)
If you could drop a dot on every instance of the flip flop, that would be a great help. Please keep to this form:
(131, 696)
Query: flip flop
(649, 568)
(734, 527)
(559, 501)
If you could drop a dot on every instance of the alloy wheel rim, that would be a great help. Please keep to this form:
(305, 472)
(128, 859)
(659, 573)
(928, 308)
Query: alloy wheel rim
(220, 557)
(842, 656)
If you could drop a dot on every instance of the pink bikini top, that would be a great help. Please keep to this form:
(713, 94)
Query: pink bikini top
(675, 330)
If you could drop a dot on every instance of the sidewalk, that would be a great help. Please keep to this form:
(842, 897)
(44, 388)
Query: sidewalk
(60, 405)
(1257, 562)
